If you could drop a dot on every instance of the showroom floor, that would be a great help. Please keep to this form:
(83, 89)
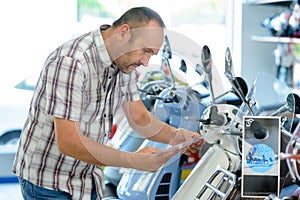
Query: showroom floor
(9, 186)
(10, 191)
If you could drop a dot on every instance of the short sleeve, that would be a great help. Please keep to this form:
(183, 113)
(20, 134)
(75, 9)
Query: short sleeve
(64, 88)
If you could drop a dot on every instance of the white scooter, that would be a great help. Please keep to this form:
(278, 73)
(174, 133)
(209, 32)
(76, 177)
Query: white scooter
(218, 174)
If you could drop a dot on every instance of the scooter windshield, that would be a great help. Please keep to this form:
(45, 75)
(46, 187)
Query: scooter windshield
(268, 96)
(271, 97)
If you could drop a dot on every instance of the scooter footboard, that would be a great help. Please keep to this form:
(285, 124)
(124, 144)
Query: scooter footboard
(214, 159)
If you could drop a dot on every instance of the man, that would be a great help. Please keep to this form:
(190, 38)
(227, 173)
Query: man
(83, 83)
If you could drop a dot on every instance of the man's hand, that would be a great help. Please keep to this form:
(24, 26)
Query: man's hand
(150, 158)
(182, 135)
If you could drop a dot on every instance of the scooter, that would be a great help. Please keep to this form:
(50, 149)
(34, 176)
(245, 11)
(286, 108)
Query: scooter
(218, 174)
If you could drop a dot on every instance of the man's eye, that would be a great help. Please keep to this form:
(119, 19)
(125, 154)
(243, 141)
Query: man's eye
(148, 51)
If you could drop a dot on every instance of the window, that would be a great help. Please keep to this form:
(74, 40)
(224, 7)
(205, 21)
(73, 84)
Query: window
(206, 22)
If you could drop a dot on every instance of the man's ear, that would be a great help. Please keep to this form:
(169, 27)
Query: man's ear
(124, 33)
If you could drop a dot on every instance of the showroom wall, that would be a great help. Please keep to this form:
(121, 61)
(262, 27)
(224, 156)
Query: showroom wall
(29, 31)
(33, 28)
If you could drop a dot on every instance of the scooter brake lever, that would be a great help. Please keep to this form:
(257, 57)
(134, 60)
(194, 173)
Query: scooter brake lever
(204, 121)
(227, 132)
(144, 91)
(165, 100)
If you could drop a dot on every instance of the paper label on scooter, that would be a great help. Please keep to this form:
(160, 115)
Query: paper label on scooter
(182, 145)
(260, 163)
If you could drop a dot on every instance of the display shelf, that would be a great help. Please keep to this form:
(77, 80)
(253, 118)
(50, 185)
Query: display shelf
(258, 44)
(275, 39)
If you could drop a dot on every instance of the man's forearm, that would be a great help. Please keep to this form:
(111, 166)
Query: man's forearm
(146, 124)
(95, 153)
(71, 143)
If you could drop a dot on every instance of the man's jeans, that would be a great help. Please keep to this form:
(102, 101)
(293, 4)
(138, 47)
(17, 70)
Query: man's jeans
(34, 192)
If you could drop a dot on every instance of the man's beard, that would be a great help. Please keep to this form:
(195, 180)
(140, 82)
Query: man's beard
(127, 70)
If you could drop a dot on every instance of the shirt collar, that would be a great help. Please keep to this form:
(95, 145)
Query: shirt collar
(103, 53)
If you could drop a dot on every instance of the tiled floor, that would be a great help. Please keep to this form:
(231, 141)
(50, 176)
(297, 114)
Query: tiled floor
(10, 191)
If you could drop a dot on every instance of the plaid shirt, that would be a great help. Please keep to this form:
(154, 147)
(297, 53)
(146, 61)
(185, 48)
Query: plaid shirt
(78, 83)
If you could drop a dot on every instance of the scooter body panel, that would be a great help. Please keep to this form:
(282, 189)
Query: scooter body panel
(174, 113)
(162, 184)
(213, 159)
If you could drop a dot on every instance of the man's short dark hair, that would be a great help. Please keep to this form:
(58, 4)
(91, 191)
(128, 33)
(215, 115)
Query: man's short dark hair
(138, 17)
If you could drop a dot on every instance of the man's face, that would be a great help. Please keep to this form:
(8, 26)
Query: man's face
(143, 43)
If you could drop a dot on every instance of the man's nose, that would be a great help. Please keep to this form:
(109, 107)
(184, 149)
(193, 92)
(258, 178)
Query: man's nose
(145, 59)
